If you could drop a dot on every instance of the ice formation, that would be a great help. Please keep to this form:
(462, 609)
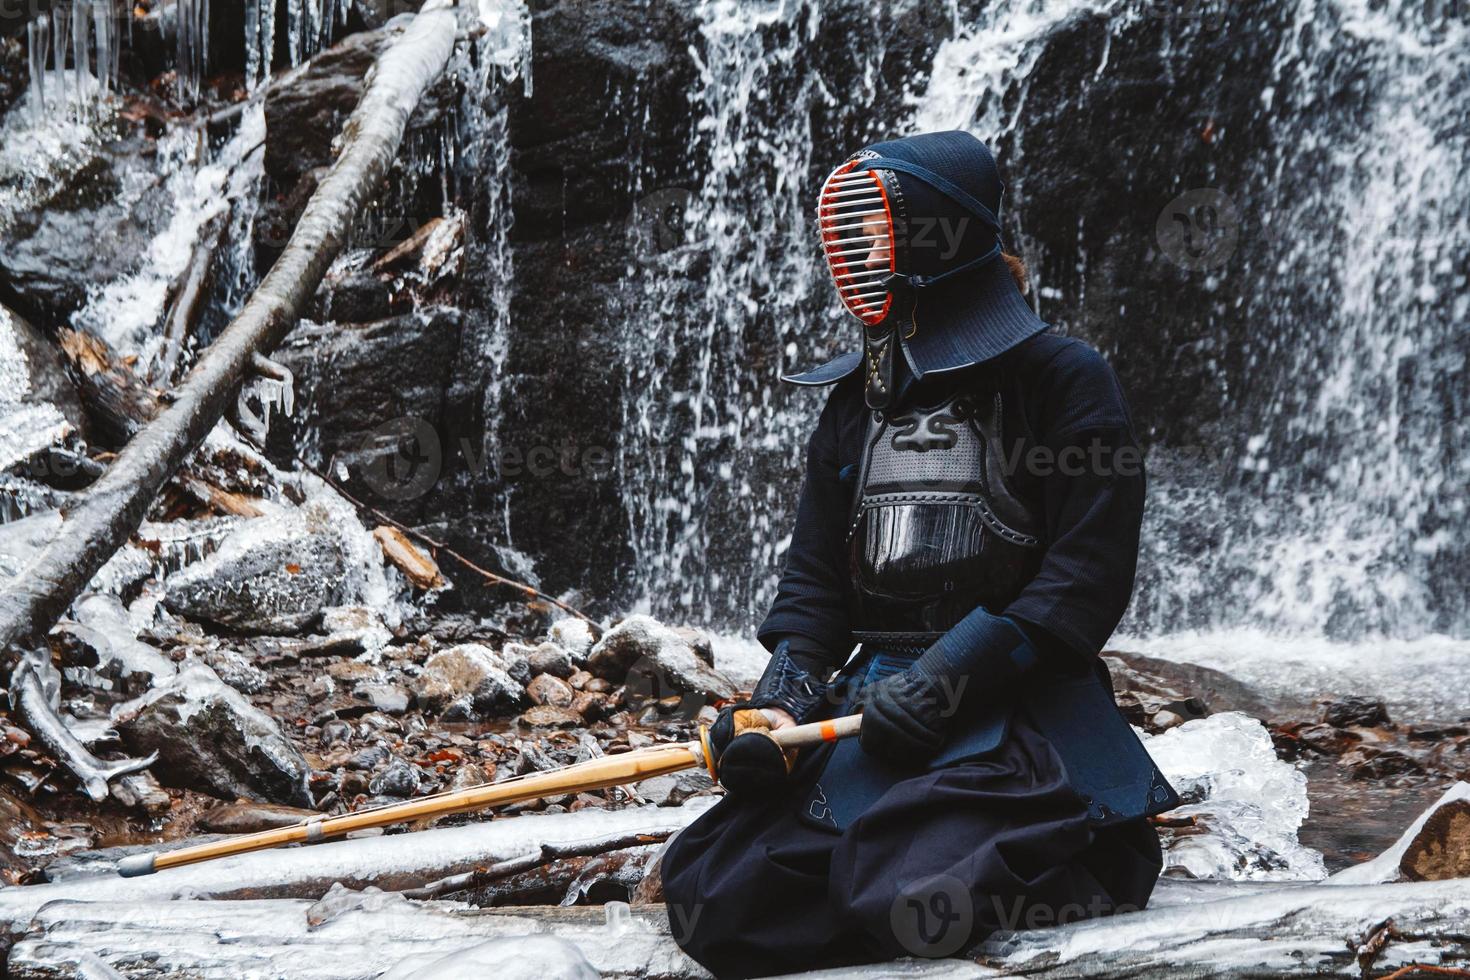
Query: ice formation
(1251, 803)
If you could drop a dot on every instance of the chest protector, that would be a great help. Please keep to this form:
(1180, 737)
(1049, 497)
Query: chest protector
(936, 528)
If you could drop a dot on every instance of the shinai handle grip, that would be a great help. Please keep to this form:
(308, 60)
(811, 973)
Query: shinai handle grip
(818, 731)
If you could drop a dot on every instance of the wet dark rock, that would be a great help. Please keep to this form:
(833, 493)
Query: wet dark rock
(14, 76)
(46, 371)
(466, 681)
(657, 660)
(1355, 711)
(1370, 763)
(248, 816)
(88, 231)
(376, 386)
(399, 779)
(369, 758)
(210, 738)
(334, 732)
(274, 574)
(546, 689)
(548, 658)
(591, 705)
(141, 791)
(352, 783)
(1144, 685)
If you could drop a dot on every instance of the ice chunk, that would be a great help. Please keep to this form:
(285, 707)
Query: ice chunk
(1250, 803)
(511, 958)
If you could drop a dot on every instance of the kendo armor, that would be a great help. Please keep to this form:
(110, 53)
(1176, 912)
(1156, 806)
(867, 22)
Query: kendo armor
(936, 529)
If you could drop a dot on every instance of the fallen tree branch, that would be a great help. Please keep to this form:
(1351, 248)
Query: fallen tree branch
(480, 877)
(107, 514)
(189, 297)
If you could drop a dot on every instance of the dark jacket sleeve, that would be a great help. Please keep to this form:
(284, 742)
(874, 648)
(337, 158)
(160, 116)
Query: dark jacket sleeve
(1092, 478)
(811, 606)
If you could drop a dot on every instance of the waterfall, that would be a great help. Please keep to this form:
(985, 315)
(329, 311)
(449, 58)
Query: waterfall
(718, 304)
(1333, 504)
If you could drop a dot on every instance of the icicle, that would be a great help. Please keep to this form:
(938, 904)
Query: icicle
(81, 51)
(38, 38)
(60, 21)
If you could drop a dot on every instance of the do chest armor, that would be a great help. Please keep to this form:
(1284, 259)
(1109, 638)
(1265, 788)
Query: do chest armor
(936, 528)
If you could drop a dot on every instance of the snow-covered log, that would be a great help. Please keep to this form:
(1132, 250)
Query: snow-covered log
(1286, 930)
(254, 940)
(394, 863)
(113, 508)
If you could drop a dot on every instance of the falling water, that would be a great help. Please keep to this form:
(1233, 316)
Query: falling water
(1343, 510)
(707, 439)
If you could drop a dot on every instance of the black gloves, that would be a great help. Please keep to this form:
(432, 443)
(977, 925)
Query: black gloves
(907, 716)
(747, 759)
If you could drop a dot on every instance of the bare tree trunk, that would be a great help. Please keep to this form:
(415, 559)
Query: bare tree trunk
(113, 508)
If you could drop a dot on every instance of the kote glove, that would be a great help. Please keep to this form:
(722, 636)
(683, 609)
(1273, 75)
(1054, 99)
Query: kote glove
(906, 717)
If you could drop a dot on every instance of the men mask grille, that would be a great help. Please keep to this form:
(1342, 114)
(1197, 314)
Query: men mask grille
(856, 224)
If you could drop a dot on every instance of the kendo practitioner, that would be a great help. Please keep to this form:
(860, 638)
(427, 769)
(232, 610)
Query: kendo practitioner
(969, 522)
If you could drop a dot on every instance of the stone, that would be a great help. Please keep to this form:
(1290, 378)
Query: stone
(353, 671)
(698, 641)
(210, 738)
(236, 670)
(579, 680)
(273, 574)
(549, 658)
(141, 791)
(370, 758)
(468, 776)
(400, 778)
(550, 716)
(387, 698)
(334, 732)
(248, 816)
(591, 705)
(470, 680)
(572, 635)
(546, 689)
(1355, 711)
(352, 784)
(657, 662)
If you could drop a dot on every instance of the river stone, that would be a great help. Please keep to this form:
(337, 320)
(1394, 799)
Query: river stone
(387, 698)
(550, 716)
(466, 681)
(572, 635)
(273, 574)
(248, 816)
(399, 779)
(655, 661)
(546, 689)
(549, 658)
(210, 738)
